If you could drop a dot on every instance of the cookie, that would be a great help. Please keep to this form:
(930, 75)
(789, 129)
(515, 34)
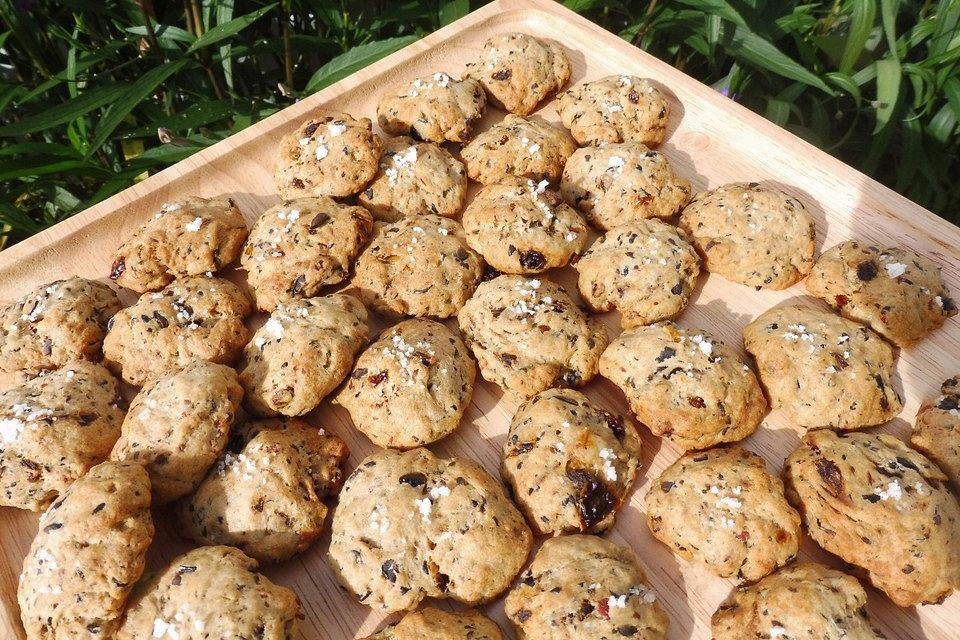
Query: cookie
(518, 71)
(53, 429)
(435, 108)
(185, 238)
(410, 526)
(417, 266)
(685, 385)
(570, 464)
(757, 236)
(528, 335)
(302, 352)
(410, 387)
(614, 184)
(87, 555)
(296, 248)
(936, 431)
(582, 586)
(722, 509)
(823, 370)
(54, 324)
(804, 600)
(211, 592)
(333, 155)
(881, 507)
(898, 293)
(178, 425)
(523, 227)
(196, 318)
(265, 494)
(415, 178)
(645, 269)
(437, 624)
(615, 109)
(517, 147)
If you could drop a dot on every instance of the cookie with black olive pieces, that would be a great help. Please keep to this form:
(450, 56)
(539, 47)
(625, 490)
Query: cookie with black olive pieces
(185, 238)
(583, 586)
(410, 387)
(410, 526)
(523, 227)
(528, 335)
(435, 108)
(196, 318)
(55, 323)
(517, 147)
(302, 352)
(646, 269)
(757, 236)
(569, 463)
(685, 385)
(88, 553)
(614, 184)
(615, 109)
(177, 426)
(803, 600)
(722, 509)
(936, 430)
(881, 507)
(211, 592)
(518, 71)
(900, 294)
(298, 247)
(53, 429)
(437, 624)
(417, 266)
(823, 370)
(265, 494)
(333, 155)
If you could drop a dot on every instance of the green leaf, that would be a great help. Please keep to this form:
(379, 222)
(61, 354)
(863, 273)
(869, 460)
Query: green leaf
(951, 89)
(888, 15)
(453, 10)
(357, 58)
(942, 125)
(861, 23)
(19, 168)
(846, 84)
(168, 36)
(227, 29)
(65, 112)
(888, 91)
(39, 149)
(720, 8)
(764, 54)
(11, 215)
(196, 115)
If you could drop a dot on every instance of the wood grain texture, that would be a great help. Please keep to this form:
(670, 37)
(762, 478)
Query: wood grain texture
(711, 141)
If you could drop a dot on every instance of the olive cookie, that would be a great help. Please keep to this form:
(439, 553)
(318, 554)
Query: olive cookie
(645, 269)
(882, 507)
(823, 370)
(333, 155)
(804, 600)
(177, 426)
(210, 592)
(55, 323)
(410, 387)
(724, 510)
(185, 238)
(519, 148)
(411, 525)
(685, 385)
(524, 227)
(88, 553)
(435, 108)
(898, 293)
(528, 335)
(936, 431)
(53, 429)
(570, 464)
(614, 184)
(437, 624)
(265, 494)
(414, 178)
(298, 247)
(196, 318)
(582, 586)
(417, 266)
(302, 352)
(518, 71)
(615, 109)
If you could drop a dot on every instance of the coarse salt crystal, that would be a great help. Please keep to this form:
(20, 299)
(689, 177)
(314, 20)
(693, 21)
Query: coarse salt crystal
(195, 225)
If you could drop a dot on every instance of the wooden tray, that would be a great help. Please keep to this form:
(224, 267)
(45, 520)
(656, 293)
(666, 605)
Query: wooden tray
(712, 140)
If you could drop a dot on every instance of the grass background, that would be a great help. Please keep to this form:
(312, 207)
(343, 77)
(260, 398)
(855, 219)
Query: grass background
(97, 94)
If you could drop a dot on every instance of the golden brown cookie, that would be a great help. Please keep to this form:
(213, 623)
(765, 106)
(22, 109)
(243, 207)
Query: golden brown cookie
(615, 109)
(436, 624)
(936, 431)
(436, 108)
(518, 148)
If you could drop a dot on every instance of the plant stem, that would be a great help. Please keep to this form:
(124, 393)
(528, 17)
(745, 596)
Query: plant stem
(146, 10)
(287, 49)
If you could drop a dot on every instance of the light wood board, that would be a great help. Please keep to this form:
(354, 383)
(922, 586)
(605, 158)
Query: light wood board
(711, 140)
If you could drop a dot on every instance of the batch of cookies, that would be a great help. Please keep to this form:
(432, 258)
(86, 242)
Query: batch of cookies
(216, 427)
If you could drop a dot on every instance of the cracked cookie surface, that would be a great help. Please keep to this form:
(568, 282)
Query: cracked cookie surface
(436, 108)
(517, 147)
(615, 109)
(936, 430)
(437, 624)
